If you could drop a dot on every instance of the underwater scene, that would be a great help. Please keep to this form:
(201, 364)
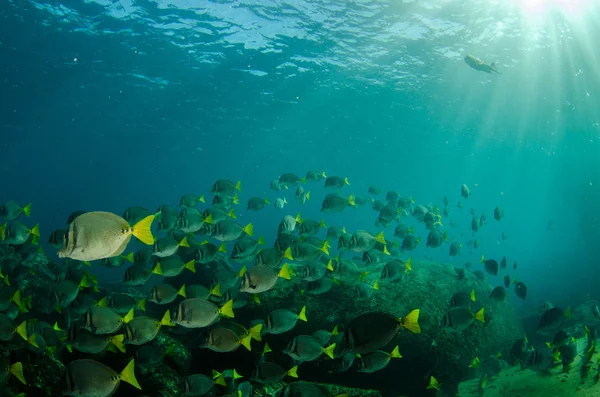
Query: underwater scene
(299, 198)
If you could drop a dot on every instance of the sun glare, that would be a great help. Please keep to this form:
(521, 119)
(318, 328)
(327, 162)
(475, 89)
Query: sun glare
(537, 8)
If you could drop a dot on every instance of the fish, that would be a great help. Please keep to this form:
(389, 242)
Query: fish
(103, 320)
(166, 217)
(464, 191)
(226, 187)
(191, 200)
(538, 359)
(373, 330)
(267, 373)
(560, 338)
(230, 230)
(280, 203)
(283, 320)
(462, 299)
(409, 243)
(11, 210)
(395, 269)
(97, 235)
(374, 190)
(521, 290)
(257, 203)
(261, 278)
(336, 182)
(172, 266)
(455, 248)
(551, 319)
(306, 348)
(302, 196)
(315, 176)
(17, 233)
(122, 303)
(87, 377)
(506, 281)
(490, 265)
(198, 313)
(199, 385)
(377, 360)
(480, 65)
(498, 294)
(163, 294)
(168, 246)
(137, 275)
(142, 330)
(135, 214)
(87, 342)
(498, 213)
(289, 179)
(459, 318)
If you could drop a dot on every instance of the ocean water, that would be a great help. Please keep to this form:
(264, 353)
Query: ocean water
(111, 104)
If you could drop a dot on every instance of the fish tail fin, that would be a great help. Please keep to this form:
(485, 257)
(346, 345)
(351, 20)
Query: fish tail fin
(254, 332)
(363, 276)
(346, 181)
(335, 331)
(166, 319)
(330, 265)
(222, 248)
(376, 285)
(325, 247)
(475, 363)
(288, 254)
(231, 214)
(157, 269)
(216, 291)
(256, 299)
(238, 186)
(285, 272)
(227, 309)
(209, 219)
(302, 314)
(433, 383)
(329, 350)
(261, 241)
(480, 316)
(201, 199)
(182, 291)
(380, 238)
(322, 224)
(191, 266)
(220, 380)
(3, 231)
(396, 353)
(472, 296)
(142, 304)
(249, 229)
(129, 316)
(128, 375)
(27, 210)
(17, 370)
(308, 195)
(129, 257)
(482, 259)
(267, 201)
(184, 242)
(117, 341)
(36, 230)
(385, 250)
(408, 266)
(246, 342)
(142, 232)
(411, 322)
(32, 340)
(352, 200)
(293, 372)
(22, 330)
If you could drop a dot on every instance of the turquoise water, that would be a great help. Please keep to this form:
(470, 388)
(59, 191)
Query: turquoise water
(112, 104)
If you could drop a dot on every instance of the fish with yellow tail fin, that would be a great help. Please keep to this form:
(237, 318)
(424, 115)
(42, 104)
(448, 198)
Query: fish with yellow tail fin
(267, 373)
(377, 360)
(12, 210)
(163, 294)
(306, 348)
(230, 230)
(88, 377)
(142, 330)
(98, 235)
(167, 246)
(199, 385)
(315, 176)
(103, 320)
(283, 320)
(262, 278)
(373, 330)
(224, 339)
(198, 313)
(257, 203)
(460, 318)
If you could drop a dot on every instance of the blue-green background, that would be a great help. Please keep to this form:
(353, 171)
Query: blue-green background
(110, 104)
